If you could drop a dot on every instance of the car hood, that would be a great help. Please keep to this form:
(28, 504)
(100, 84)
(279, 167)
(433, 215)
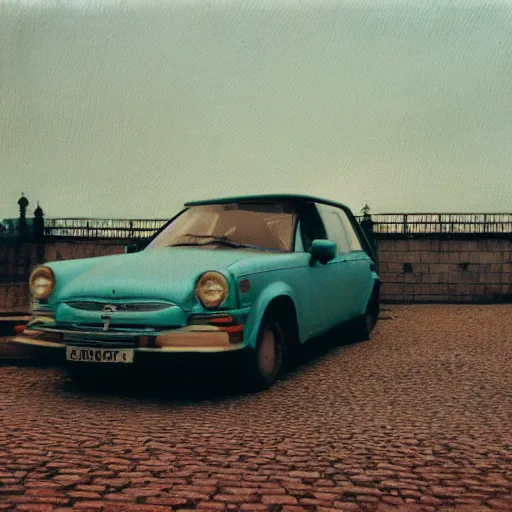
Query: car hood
(168, 274)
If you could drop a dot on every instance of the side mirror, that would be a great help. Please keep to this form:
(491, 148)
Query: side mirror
(131, 248)
(323, 250)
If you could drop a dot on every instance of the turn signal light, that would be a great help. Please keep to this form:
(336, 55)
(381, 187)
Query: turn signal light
(235, 332)
(221, 320)
(245, 286)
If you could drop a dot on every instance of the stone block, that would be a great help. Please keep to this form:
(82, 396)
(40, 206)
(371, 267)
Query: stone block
(488, 278)
(441, 298)
(413, 257)
(429, 257)
(439, 289)
(477, 290)
(468, 289)
(397, 257)
(384, 256)
(391, 277)
(50, 252)
(444, 257)
(424, 298)
(412, 278)
(463, 257)
(391, 267)
(420, 245)
(447, 278)
(454, 277)
(386, 245)
(392, 288)
(494, 289)
(494, 245)
(506, 278)
(468, 245)
(454, 288)
(486, 257)
(421, 289)
(409, 288)
(432, 278)
(457, 257)
(506, 289)
(444, 268)
(398, 246)
(471, 277)
(451, 246)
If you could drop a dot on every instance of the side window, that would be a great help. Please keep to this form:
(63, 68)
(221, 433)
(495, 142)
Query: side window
(310, 225)
(334, 227)
(355, 244)
(299, 246)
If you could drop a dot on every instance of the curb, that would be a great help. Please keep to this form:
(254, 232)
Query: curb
(11, 352)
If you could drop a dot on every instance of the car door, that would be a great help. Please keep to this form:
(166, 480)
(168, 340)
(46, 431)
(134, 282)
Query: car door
(360, 265)
(330, 295)
(340, 273)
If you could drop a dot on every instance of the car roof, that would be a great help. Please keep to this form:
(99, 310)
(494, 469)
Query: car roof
(293, 198)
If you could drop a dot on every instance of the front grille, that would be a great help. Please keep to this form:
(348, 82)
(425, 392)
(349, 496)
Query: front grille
(112, 327)
(127, 307)
(99, 341)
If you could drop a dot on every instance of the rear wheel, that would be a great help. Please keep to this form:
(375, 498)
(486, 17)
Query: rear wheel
(268, 361)
(364, 324)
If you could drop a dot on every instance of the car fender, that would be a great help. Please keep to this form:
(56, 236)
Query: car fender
(260, 306)
(374, 280)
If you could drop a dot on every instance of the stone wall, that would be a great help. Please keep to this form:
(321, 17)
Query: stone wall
(416, 270)
(430, 270)
(17, 259)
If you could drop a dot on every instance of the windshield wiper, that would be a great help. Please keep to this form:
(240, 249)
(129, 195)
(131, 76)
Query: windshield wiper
(205, 236)
(220, 240)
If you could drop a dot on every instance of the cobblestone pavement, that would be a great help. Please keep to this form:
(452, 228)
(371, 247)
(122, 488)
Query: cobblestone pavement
(419, 418)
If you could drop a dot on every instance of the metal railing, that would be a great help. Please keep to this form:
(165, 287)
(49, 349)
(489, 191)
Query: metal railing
(441, 223)
(102, 228)
(381, 224)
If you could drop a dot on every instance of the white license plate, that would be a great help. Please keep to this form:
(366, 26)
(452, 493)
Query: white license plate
(99, 355)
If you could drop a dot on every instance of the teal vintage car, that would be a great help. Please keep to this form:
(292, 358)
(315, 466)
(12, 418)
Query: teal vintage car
(254, 277)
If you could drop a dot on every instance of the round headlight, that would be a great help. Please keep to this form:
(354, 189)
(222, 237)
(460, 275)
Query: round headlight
(212, 289)
(42, 282)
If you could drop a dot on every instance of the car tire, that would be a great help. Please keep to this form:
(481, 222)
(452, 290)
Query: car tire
(268, 360)
(363, 325)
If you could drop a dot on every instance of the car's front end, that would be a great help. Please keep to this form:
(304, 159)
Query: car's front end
(122, 311)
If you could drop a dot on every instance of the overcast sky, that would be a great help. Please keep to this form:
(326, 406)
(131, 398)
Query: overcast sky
(110, 111)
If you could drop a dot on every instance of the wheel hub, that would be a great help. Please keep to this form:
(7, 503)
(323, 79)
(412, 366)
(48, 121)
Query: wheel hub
(267, 353)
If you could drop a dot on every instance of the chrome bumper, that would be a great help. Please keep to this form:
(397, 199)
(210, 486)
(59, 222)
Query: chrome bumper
(189, 339)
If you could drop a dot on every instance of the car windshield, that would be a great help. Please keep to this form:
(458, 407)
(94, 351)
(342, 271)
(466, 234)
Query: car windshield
(257, 226)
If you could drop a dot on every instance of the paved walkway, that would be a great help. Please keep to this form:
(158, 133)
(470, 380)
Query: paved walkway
(419, 418)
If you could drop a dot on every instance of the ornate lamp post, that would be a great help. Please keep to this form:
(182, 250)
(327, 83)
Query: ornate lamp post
(23, 203)
(38, 223)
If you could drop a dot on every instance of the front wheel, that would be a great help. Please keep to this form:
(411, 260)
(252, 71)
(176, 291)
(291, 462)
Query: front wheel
(268, 359)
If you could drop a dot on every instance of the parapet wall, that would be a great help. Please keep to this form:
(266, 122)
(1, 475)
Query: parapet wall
(17, 259)
(455, 270)
(415, 270)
